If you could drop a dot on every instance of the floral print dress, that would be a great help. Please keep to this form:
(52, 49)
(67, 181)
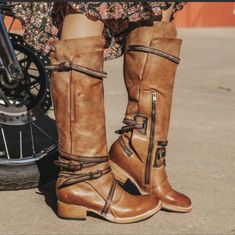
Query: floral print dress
(42, 21)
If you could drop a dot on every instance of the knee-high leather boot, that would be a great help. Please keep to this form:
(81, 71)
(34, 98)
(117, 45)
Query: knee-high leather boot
(150, 63)
(86, 182)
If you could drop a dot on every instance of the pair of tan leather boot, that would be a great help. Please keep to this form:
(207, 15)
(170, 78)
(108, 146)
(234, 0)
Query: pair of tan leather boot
(86, 181)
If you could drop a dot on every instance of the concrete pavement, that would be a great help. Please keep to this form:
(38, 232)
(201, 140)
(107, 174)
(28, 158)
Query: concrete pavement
(200, 156)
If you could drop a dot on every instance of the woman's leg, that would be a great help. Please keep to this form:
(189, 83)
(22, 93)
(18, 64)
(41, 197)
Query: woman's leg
(166, 15)
(79, 25)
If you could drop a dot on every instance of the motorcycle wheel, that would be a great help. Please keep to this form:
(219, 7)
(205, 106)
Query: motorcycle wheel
(28, 137)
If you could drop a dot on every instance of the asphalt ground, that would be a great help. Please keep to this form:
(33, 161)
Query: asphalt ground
(200, 155)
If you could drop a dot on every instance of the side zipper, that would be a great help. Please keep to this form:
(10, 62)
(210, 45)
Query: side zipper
(151, 138)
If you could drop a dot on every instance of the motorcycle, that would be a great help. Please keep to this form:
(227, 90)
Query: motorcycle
(27, 130)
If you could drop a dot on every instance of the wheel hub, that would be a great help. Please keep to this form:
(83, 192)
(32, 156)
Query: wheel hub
(28, 99)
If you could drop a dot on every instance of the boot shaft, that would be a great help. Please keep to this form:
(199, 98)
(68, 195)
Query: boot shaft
(150, 65)
(146, 74)
(78, 97)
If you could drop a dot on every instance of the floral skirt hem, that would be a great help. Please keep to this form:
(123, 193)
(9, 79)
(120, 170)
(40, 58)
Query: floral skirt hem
(42, 21)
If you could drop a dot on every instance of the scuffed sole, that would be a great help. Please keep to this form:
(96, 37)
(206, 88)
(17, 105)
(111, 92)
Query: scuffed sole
(69, 211)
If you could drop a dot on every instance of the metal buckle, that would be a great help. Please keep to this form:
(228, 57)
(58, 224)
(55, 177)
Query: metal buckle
(162, 143)
(161, 153)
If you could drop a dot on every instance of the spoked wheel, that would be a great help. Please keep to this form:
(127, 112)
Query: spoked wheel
(27, 133)
(22, 150)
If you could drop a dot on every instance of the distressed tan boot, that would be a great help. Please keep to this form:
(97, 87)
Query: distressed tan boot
(86, 183)
(150, 63)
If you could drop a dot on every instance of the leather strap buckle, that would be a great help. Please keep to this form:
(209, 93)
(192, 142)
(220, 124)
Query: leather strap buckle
(69, 165)
(140, 123)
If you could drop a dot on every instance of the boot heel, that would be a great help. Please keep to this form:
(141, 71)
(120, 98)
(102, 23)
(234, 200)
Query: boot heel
(119, 173)
(67, 211)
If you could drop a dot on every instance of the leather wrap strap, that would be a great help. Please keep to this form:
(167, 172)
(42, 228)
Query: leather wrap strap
(129, 128)
(73, 165)
(69, 168)
(67, 66)
(154, 51)
(73, 178)
(79, 163)
(109, 198)
(131, 125)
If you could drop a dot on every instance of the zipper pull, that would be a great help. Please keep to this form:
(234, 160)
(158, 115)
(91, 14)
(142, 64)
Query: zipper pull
(154, 96)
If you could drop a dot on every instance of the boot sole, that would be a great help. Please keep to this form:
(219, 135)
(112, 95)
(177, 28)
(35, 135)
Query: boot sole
(122, 176)
(172, 208)
(75, 212)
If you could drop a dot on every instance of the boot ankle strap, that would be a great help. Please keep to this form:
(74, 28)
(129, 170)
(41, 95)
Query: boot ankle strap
(72, 165)
(73, 178)
(129, 128)
(69, 163)
(67, 66)
(154, 51)
(70, 156)
(69, 168)
(133, 125)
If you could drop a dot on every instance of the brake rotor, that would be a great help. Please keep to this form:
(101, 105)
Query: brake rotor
(29, 99)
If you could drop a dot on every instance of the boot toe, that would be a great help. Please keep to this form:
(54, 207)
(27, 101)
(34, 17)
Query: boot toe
(176, 201)
(132, 208)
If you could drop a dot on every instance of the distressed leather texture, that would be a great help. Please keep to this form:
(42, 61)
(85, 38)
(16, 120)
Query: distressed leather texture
(149, 80)
(80, 117)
